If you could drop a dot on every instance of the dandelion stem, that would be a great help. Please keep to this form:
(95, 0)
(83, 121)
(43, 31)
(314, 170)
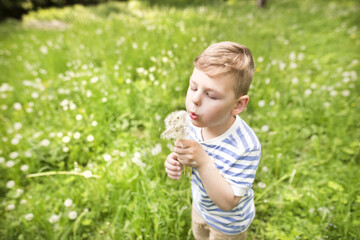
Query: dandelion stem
(58, 173)
(78, 220)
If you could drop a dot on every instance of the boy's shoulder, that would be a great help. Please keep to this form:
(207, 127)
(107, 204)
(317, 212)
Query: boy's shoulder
(244, 136)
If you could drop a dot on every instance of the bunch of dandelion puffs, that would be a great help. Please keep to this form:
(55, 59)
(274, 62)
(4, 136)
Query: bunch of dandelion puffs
(175, 128)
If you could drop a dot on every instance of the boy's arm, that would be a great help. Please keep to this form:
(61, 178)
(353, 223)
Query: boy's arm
(190, 153)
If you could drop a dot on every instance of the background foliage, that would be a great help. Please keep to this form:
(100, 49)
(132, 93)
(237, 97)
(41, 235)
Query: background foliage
(85, 90)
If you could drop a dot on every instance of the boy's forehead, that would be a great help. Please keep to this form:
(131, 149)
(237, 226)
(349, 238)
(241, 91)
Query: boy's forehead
(221, 81)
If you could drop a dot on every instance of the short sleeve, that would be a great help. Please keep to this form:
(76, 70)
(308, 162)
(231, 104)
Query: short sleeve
(241, 173)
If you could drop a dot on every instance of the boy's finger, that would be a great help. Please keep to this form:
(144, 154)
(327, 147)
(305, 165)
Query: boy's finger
(181, 143)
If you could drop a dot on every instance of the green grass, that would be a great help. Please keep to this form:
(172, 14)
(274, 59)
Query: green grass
(113, 72)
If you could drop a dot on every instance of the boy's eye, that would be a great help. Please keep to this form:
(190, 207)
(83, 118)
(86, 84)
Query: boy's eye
(211, 96)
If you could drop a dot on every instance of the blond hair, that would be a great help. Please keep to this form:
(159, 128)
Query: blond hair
(228, 58)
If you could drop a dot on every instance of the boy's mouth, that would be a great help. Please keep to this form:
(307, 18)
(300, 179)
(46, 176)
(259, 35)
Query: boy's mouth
(193, 116)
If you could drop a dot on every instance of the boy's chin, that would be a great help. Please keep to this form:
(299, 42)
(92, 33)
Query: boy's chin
(196, 123)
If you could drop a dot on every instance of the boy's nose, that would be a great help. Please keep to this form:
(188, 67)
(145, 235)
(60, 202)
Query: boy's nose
(196, 99)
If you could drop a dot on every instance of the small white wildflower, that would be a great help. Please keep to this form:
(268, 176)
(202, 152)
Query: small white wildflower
(261, 185)
(267, 81)
(87, 174)
(260, 59)
(104, 99)
(54, 218)
(77, 135)
(68, 202)
(261, 103)
(66, 139)
(59, 134)
(23, 201)
(29, 216)
(90, 138)
(295, 80)
(122, 154)
(311, 210)
(265, 128)
(94, 79)
(308, 92)
(15, 141)
(35, 95)
(292, 56)
(301, 56)
(265, 169)
(17, 125)
(333, 93)
(10, 184)
(65, 149)
(88, 93)
(72, 215)
(2, 159)
(10, 163)
(10, 207)
(45, 142)
(28, 154)
(107, 157)
(326, 104)
(345, 93)
(79, 117)
(156, 150)
(24, 168)
(293, 65)
(313, 85)
(13, 155)
(44, 49)
(94, 123)
(19, 191)
(17, 106)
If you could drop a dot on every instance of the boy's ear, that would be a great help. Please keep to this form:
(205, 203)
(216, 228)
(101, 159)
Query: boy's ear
(241, 105)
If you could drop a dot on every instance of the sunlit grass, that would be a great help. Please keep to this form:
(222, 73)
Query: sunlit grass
(87, 94)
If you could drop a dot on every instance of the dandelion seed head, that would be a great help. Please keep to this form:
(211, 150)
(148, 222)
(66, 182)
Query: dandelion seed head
(10, 207)
(17, 106)
(72, 215)
(10, 163)
(10, 184)
(107, 157)
(79, 117)
(54, 218)
(87, 174)
(17, 125)
(265, 128)
(68, 202)
(24, 168)
(29, 216)
(175, 125)
(345, 93)
(45, 143)
(66, 139)
(261, 103)
(308, 92)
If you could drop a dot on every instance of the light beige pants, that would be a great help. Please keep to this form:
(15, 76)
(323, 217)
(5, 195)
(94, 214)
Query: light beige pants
(203, 231)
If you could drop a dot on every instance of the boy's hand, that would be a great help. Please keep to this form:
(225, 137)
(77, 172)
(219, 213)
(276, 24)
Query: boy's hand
(173, 167)
(190, 153)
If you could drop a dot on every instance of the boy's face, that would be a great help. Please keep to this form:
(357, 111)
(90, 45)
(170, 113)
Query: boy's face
(210, 101)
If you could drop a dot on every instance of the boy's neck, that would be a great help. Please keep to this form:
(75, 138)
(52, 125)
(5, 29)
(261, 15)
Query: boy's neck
(208, 133)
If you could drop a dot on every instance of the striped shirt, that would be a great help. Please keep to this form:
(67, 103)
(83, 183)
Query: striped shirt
(236, 154)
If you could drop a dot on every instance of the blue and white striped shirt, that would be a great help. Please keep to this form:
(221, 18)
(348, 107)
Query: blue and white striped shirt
(236, 154)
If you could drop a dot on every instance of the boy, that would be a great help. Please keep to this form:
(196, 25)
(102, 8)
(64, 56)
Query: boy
(222, 149)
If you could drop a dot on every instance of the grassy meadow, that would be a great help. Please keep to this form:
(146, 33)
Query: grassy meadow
(84, 92)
